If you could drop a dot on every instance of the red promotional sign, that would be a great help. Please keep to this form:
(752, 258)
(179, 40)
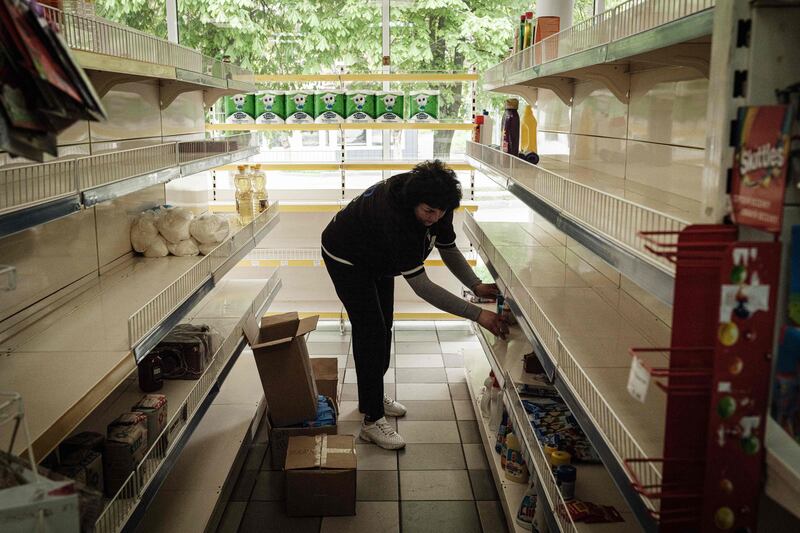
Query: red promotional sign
(759, 166)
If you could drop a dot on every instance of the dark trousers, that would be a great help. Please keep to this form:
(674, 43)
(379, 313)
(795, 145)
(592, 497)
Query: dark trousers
(369, 302)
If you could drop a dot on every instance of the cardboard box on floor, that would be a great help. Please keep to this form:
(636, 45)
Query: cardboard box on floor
(321, 476)
(326, 375)
(281, 355)
(279, 438)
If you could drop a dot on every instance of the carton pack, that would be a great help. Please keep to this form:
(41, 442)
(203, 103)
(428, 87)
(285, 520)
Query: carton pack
(329, 107)
(326, 376)
(271, 107)
(279, 437)
(300, 107)
(84, 466)
(240, 109)
(545, 27)
(125, 448)
(424, 106)
(154, 407)
(281, 355)
(321, 476)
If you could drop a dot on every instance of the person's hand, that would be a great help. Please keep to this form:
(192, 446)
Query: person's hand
(494, 323)
(486, 290)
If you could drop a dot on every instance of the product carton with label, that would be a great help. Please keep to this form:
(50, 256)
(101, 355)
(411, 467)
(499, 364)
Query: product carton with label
(321, 476)
(326, 376)
(279, 348)
(154, 407)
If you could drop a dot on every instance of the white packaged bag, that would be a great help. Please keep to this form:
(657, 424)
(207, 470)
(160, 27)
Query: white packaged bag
(209, 228)
(184, 248)
(173, 224)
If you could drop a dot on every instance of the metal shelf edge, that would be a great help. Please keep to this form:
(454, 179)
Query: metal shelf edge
(110, 191)
(204, 80)
(28, 217)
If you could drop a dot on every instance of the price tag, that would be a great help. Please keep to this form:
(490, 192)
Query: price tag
(638, 380)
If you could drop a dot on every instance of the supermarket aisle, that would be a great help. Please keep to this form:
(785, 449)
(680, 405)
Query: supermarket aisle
(440, 483)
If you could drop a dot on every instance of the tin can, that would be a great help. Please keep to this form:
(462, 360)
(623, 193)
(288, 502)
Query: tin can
(566, 476)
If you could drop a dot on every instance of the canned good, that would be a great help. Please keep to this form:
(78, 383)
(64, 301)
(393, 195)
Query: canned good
(566, 476)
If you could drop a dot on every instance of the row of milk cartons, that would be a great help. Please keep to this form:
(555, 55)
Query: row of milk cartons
(331, 107)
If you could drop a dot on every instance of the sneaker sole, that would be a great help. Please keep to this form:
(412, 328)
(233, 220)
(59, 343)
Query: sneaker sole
(363, 436)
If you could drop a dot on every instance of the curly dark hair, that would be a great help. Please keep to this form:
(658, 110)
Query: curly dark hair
(430, 182)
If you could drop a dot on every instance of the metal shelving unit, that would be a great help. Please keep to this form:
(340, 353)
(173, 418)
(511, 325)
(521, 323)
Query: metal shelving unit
(351, 165)
(607, 225)
(587, 396)
(112, 53)
(602, 47)
(448, 126)
(312, 257)
(133, 306)
(34, 194)
(367, 77)
(188, 401)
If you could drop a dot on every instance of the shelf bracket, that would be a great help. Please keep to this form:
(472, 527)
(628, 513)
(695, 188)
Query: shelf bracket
(105, 81)
(563, 87)
(615, 77)
(529, 94)
(210, 96)
(694, 56)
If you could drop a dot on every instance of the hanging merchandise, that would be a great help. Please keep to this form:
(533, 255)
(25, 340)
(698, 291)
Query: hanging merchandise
(360, 107)
(260, 188)
(299, 107)
(527, 508)
(244, 196)
(424, 106)
(509, 130)
(240, 109)
(389, 106)
(270, 107)
(516, 469)
(44, 89)
(329, 107)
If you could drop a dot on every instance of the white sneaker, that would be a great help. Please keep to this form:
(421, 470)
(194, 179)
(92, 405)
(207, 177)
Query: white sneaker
(393, 408)
(383, 434)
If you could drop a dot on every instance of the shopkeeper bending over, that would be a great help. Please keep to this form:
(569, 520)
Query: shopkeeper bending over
(387, 231)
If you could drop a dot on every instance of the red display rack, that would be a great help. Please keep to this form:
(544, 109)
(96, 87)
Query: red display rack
(717, 381)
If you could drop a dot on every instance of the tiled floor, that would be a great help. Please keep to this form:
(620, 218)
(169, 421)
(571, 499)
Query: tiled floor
(440, 483)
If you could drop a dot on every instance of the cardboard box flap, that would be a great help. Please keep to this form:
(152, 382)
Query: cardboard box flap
(325, 368)
(321, 451)
(284, 325)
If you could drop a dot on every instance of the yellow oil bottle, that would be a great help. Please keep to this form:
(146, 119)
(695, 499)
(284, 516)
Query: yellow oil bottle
(244, 195)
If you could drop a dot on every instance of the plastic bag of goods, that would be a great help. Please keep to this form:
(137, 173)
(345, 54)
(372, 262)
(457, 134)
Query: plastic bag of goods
(144, 230)
(209, 228)
(207, 248)
(185, 248)
(173, 224)
(158, 248)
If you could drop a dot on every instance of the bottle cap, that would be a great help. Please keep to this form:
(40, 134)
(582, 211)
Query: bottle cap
(560, 457)
(512, 103)
(522, 17)
(241, 168)
(485, 112)
(529, 15)
(257, 166)
(479, 119)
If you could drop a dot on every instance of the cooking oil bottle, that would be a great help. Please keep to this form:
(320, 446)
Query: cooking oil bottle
(244, 195)
(260, 188)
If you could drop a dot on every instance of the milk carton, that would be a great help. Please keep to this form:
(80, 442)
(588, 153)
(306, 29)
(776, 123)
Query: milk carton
(329, 107)
(299, 107)
(240, 109)
(360, 106)
(423, 106)
(389, 106)
(271, 107)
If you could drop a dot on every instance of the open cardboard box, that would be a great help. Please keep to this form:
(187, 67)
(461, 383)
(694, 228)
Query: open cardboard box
(281, 355)
(326, 375)
(279, 437)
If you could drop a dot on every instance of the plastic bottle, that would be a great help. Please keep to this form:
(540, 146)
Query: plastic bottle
(487, 130)
(527, 137)
(485, 402)
(521, 33)
(507, 430)
(528, 30)
(496, 405)
(476, 132)
(244, 196)
(516, 469)
(510, 128)
(527, 508)
(260, 188)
